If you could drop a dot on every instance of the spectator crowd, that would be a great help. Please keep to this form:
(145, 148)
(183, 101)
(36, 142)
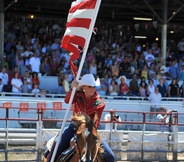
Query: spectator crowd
(31, 51)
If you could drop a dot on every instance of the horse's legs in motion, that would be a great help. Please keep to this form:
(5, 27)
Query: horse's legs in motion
(64, 142)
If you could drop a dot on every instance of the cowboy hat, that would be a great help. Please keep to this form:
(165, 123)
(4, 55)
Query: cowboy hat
(163, 69)
(89, 80)
(121, 77)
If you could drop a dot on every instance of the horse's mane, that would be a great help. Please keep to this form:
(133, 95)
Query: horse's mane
(77, 117)
(82, 117)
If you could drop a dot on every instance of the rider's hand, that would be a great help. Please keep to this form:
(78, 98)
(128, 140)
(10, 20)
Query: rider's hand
(75, 83)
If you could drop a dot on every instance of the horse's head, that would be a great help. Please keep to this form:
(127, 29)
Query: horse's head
(80, 135)
(87, 138)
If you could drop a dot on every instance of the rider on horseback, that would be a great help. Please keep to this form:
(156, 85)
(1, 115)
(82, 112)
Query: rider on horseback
(85, 100)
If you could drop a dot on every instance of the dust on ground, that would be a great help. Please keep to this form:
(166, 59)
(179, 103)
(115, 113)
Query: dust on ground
(18, 154)
(28, 155)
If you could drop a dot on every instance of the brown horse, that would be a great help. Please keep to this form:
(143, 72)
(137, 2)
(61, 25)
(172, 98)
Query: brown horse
(85, 146)
(86, 143)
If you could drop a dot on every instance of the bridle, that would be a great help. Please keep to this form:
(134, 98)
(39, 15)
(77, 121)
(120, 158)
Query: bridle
(75, 140)
(78, 124)
(97, 140)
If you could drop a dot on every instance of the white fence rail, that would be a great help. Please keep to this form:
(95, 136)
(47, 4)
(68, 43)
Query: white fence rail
(135, 119)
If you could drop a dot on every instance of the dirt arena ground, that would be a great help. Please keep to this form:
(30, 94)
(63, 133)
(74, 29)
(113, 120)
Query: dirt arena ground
(29, 156)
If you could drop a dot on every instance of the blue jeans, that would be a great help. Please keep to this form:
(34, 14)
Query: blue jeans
(108, 155)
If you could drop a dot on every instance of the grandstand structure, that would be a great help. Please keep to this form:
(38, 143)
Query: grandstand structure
(113, 12)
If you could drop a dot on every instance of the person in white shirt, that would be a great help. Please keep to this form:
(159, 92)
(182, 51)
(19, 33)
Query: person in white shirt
(110, 117)
(155, 99)
(34, 63)
(44, 48)
(146, 51)
(35, 90)
(16, 83)
(43, 93)
(27, 53)
(163, 117)
(5, 79)
(27, 60)
(29, 80)
(1, 85)
(181, 48)
(150, 87)
(149, 58)
(55, 45)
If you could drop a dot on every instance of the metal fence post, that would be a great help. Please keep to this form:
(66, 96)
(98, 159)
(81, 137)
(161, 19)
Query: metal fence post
(143, 132)
(111, 127)
(39, 135)
(175, 137)
(6, 144)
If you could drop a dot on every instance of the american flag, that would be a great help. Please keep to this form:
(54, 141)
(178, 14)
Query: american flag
(79, 20)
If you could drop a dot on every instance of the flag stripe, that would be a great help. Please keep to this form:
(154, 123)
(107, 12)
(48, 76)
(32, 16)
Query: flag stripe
(79, 20)
(80, 14)
(81, 32)
(79, 23)
(85, 4)
(75, 40)
(70, 43)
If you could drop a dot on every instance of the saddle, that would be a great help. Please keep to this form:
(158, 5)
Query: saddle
(66, 155)
(70, 152)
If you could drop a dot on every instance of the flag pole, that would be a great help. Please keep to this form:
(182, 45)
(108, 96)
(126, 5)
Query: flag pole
(94, 16)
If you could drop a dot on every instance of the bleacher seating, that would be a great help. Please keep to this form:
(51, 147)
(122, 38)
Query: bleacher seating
(50, 83)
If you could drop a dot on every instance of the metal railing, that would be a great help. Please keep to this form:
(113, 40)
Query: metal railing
(108, 97)
(34, 136)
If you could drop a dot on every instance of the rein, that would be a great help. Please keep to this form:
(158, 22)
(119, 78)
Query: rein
(75, 139)
(96, 152)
